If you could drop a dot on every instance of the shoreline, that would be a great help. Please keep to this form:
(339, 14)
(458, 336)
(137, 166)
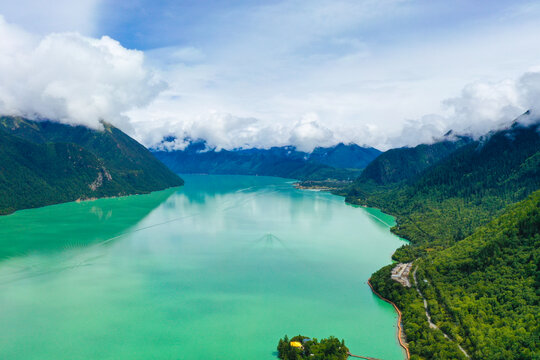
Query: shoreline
(322, 185)
(80, 200)
(400, 333)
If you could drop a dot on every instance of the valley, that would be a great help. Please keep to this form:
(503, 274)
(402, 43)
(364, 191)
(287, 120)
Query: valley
(250, 180)
(234, 259)
(446, 197)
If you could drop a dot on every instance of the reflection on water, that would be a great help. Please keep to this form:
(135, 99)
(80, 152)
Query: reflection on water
(225, 265)
(64, 226)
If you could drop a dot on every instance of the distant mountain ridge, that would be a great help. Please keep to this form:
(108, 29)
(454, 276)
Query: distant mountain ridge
(340, 162)
(351, 156)
(43, 163)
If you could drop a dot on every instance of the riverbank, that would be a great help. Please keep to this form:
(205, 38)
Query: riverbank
(400, 332)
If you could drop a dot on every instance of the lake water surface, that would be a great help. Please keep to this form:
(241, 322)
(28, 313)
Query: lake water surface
(218, 269)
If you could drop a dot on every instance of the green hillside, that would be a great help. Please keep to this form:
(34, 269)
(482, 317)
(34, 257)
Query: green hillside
(483, 291)
(486, 286)
(450, 199)
(404, 164)
(43, 163)
(475, 250)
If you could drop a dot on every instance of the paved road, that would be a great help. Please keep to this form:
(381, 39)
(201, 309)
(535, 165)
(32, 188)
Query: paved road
(431, 324)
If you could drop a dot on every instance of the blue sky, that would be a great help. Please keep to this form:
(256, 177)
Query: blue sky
(144, 24)
(260, 73)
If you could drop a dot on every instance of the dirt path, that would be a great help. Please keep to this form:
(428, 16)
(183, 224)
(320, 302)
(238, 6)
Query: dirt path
(431, 324)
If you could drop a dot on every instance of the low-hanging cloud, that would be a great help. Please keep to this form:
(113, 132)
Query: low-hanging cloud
(308, 133)
(71, 78)
(219, 131)
(481, 107)
(227, 131)
(529, 91)
(306, 101)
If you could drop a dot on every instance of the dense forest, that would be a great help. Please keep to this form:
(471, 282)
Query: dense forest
(44, 163)
(302, 347)
(404, 164)
(485, 288)
(340, 162)
(475, 250)
(482, 291)
(469, 187)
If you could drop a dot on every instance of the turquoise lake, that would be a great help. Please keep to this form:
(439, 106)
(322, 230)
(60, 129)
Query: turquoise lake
(218, 269)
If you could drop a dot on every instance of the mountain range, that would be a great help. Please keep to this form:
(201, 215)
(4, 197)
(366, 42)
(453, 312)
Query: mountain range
(44, 162)
(469, 207)
(471, 212)
(340, 162)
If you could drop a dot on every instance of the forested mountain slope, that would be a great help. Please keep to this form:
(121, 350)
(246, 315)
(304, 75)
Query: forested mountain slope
(486, 286)
(404, 164)
(43, 163)
(475, 251)
(344, 156)
(40, 174)
(482, 291)
(337, 163)
(450, 199)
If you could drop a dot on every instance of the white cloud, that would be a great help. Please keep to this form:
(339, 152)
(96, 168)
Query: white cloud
(485, 105)
(303, 72)
(529, 90)
(308, 133)
(422, 131)
(219, 130)
(173, 144)
(71, 78)
(480, 108)
(363, 68)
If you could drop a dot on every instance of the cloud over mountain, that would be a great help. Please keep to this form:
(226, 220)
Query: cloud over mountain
(71, 78)
(480, 108)
(273, 74)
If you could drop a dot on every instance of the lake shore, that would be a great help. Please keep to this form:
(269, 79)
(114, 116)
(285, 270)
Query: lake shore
(400, 333)
(217, 257)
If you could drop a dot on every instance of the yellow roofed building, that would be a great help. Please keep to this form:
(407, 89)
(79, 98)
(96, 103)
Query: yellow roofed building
(296, 344)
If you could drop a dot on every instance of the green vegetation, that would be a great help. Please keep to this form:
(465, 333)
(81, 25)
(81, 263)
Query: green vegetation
(486, 287)
(423, 342)
(475, 250)
(405, 164)
(44, 163)
(326, 349)
(447, 201)
(42, 174)
(482, 291)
